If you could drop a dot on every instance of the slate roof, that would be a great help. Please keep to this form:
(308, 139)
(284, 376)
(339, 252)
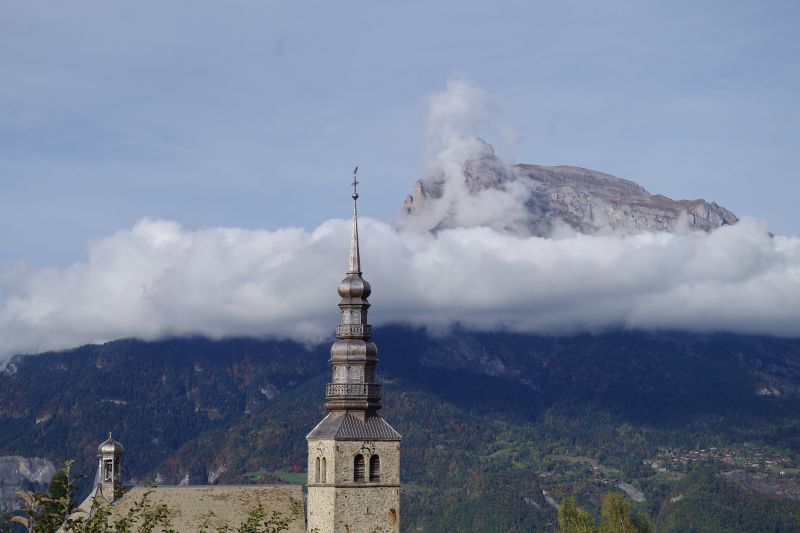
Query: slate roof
(339, 426)
(190, 505)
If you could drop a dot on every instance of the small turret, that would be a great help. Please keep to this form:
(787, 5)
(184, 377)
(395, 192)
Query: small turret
(109, 469)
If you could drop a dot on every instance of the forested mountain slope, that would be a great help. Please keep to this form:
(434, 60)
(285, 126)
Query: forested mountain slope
(489, 421)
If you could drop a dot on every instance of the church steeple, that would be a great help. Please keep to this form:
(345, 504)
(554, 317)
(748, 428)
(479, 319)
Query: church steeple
(353, 453)
(353, 356)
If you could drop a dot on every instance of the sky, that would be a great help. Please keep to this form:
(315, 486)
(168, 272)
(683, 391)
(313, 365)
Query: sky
(124, 126)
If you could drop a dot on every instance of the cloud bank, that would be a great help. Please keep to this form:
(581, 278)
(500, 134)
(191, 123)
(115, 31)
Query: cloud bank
(159, 279)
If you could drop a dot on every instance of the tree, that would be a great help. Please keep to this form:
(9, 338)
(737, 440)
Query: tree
(60, 500)
(38, 516)
(45, 513)
(571, 519)
(143, 517)
(56, 510)
(257, 522)
(615, 517)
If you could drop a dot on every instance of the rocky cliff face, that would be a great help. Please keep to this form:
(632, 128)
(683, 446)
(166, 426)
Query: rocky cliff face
(18, 473)
(586, 200)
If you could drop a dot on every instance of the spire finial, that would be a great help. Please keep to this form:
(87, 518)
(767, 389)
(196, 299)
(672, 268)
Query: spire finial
(354, 265)
(355, 183)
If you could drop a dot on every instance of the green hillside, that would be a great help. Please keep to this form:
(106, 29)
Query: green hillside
(489, 421)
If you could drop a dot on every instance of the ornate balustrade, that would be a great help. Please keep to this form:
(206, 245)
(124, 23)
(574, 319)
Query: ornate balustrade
(371, 390)
(353, 330)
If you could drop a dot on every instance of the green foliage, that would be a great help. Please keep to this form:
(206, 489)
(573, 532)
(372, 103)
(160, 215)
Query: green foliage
(44, 513)
(47, 513)
(571, 519)
(60, 501)
(146, 518)
(615, 517)
(710, 504)
(257, 522)
(143, 517)
(157, 397)
(475, 445)
(642, 523)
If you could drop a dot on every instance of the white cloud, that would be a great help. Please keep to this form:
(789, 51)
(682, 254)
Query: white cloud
(454, 115)
(160, 279)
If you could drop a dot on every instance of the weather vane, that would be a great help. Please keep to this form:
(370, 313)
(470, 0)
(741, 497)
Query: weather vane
(355, 183)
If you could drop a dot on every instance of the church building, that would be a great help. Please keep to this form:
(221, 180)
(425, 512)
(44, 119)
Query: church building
(353, 453)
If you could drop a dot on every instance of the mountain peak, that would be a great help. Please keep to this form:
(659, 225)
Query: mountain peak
(549, 197)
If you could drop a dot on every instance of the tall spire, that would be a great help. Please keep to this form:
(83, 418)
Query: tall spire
(353, 453)
(353, 387)
(355, 255)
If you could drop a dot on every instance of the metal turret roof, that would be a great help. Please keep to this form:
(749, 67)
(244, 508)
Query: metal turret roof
(110, 447)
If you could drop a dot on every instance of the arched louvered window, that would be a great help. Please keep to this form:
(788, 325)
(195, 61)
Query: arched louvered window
(324, 470)
(358, 469)
(316, 478)
(374, 468)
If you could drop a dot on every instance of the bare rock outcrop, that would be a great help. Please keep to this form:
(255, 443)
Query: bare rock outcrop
(17, 473)
(586, 200)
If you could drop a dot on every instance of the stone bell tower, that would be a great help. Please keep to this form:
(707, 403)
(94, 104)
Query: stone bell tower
(109, 469)
(353, 454)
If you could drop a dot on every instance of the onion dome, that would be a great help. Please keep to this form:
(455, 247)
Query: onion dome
(110, 447)
(353, 287)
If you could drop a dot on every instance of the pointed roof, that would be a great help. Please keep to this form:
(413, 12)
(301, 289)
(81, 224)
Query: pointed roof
(344, 426)
(354, 264)
(191, 506)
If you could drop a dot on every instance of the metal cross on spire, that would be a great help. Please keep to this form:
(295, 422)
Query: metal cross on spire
(355, 183)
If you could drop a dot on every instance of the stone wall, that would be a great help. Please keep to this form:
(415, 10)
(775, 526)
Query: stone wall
(341, 505)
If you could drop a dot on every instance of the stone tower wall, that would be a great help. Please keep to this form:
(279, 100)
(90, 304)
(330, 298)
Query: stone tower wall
(341, 505)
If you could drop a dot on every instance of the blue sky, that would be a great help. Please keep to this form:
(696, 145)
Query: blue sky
(252, 114)
(176, 167)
